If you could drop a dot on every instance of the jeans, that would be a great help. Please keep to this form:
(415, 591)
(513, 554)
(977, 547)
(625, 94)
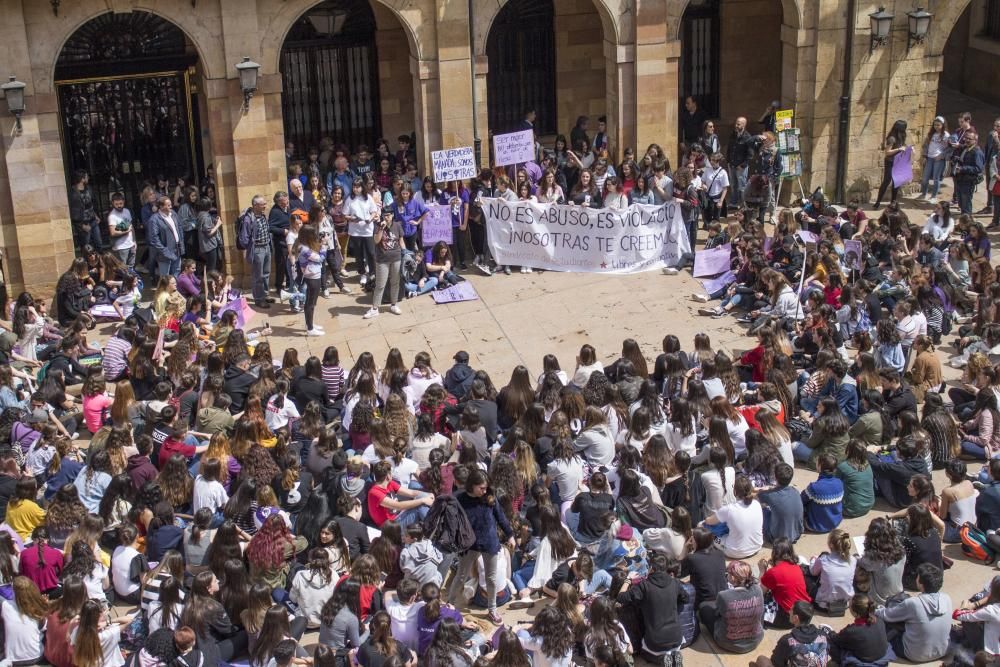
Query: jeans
(386, 272)
(600, 580)
(933, 171)
(412, 515)
(974, 450)
(964, 188)
(429, 285)
(127, 256)
(521, 577)
(91, 237)
(738, 183)
(165, 267)
(313, 287)
(801, 452)
(260, 264)
(457, 588)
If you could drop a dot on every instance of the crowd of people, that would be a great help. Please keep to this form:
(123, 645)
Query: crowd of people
(231, 500)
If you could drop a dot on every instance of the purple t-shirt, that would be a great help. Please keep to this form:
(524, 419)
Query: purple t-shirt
(425, 630)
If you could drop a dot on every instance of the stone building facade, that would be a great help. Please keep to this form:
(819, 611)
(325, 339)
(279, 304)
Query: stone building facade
(631, 60)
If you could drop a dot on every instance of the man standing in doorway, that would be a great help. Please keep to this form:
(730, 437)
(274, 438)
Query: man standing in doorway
(968, 169)
(121, 232)
(692, 119)
(738, 153)
(82, 216)
(255, 237)
(279, 220)
(167, 241)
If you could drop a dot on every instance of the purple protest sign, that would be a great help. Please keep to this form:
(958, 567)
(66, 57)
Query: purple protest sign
(460, 292)
(243, 311)
(513, 148)
(711, 262)
(807, 236)
(436, 225)
(713, 285)
(852, 254)
(902, 168)
(767, 244)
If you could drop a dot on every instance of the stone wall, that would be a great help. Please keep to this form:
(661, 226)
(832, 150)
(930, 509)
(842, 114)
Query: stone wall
(580, 64)
(750, 67)
(968, 66)
(395, 82)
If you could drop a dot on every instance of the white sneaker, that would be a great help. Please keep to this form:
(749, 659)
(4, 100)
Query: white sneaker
(285, 295)
(933, 200)
(485, 269)
(524, 269)
(318, 327)
(700, 298)
(364, 280)
(669, 271)
(395, 310)
(326, 293)
(314, 332)
(372, 312)
(527, 269)
(345, 290)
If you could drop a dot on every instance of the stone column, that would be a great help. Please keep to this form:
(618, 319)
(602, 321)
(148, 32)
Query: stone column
(454, 103)
(621, 93)
(34, 223)
(656, 84)
(426, 110)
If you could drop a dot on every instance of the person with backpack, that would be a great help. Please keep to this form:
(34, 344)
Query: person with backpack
(448, 529)
(485, 517)
(254, 238)
(806, 644)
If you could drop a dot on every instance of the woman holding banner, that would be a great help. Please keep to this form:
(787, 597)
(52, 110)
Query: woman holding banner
(585, 192)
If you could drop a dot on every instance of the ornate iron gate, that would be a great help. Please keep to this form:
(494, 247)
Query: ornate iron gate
(126, 131)
(126, 108)
(700, 55)
(522, 66)
(329, 73)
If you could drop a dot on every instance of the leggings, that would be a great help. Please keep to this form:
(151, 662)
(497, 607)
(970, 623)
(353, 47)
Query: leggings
(212, 258)
(887, 182)
(313, 286)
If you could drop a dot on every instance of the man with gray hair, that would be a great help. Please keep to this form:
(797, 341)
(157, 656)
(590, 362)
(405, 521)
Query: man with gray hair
(255, 240)
(738, 152)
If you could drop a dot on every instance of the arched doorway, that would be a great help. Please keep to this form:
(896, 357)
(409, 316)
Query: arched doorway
(330, 77)
(731, 57)
(127, 112)
(521, 51)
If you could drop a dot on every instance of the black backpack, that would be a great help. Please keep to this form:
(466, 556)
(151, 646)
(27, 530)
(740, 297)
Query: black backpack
(448, 527)
(244, 233)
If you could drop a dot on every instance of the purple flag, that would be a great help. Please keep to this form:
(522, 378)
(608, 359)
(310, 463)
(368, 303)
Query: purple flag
(243, 311)
(460, 292)
(713, 285)
(436, 225)
(902, 167)
(711, 262)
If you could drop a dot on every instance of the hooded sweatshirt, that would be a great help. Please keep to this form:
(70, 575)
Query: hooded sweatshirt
(458, 379)
(420, 560)
(927, 619)
(141, 470)
(310, 590)
(417, 383)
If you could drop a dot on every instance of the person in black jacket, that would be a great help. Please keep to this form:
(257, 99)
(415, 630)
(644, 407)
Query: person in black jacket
(355, 533)
(657, 600)
(458, 379)
(72, 293)
(310, 387)
(805, 641)
(218, 639)
(898, 396)
(892, 478)
(477, 398)
(65, 360)
(864, 640)
(279, 219)
(707, 566)
(238, 380)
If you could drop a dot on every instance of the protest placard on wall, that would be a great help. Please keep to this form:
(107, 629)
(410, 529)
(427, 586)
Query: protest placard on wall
(576, 238)
(513, 148)
(454, 164)
(436, 225)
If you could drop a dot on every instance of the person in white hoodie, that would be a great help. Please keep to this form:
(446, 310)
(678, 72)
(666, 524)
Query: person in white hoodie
(421, 376)
(919, 628)
(419, 558)
(313, 586)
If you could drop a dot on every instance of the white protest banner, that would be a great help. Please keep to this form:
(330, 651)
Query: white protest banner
(575, 238)
(513, 148)
(454, 164)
